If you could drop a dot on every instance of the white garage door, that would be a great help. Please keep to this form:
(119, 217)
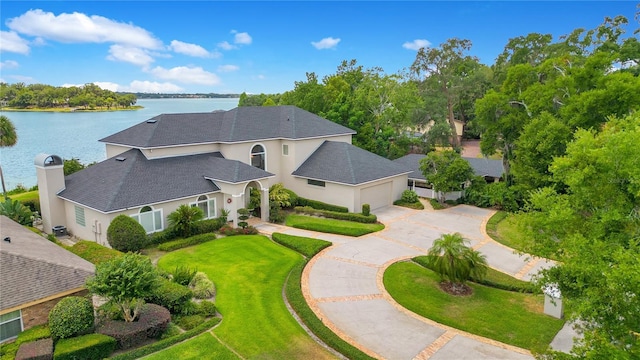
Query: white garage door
(377, 196)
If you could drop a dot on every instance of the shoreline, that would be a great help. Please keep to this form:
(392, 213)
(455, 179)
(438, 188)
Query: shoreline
(70, 110)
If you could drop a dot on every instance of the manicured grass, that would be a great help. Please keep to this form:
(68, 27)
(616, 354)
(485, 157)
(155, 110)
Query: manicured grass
(306, 246)
(416, 205)
(503, 228)
(204, 346)
(26, 196)
(93, 252)
(249, 272)
(332, 226)
(510, 317)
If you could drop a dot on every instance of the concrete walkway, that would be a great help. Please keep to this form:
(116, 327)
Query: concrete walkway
(343, 285)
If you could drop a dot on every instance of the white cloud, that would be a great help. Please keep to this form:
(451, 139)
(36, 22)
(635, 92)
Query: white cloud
(129, 54)
(228, 68)
(80, 28)
(326, 43)
(106, 85)
(12, 42)
(187, 75)
(226, 46)
(189, 49)
(416, 44)
(242, 38)
(8, 64)
(152, 87)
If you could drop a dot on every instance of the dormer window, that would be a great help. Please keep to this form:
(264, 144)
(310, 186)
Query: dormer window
(258, 157)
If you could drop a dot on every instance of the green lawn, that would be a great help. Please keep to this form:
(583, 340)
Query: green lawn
(26, 196)
(510, 317)
(332, 226)
(249, 273)
(503, 228)
(204, 346)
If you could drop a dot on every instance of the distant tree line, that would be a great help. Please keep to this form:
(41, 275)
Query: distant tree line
(184, 96)
(89, 96)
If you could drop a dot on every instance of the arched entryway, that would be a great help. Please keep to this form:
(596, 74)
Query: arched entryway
(256, 197)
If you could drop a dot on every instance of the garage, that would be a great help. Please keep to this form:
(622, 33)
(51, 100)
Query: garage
(377, 196)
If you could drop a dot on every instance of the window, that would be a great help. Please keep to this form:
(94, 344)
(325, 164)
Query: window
(316, 182)
(258, 157)
(80, 215)
(151, 220)
(10, 325)
(208, 206)
(285, 149)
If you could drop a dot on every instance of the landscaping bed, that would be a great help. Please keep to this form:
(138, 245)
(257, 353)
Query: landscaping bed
(332, 226)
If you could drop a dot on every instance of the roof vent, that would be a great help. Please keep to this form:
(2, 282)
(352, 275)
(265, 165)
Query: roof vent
(151, 121)
(120, 158)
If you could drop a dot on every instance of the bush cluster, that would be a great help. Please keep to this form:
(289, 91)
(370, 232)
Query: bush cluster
(155, 318)
(94, 252)
(71, 316)
(202, 286)
(190, 241)
(125, 234)
(368, 219)
(36, 350)
(92, 346)
(319, 205)
(171, 295)
(152, 322)
(199, 227)
(183, 275)
(32, 204)
(409, 196)
(230, 231)
(304, 245)
(495, 195)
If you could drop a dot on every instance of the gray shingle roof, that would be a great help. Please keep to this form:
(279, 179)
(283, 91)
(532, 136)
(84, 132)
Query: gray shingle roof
(113, 185)
(247, 123)
(481, 166)
(34, 268)
(347, 164)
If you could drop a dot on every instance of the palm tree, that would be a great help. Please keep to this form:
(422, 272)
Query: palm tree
(184, 217)
(455, 262)
(8, 138)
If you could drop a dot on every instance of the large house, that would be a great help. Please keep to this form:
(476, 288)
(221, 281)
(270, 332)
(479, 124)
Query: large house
(210, 160)
(35, 275)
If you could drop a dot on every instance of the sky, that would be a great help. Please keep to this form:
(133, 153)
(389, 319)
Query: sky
(258, 47)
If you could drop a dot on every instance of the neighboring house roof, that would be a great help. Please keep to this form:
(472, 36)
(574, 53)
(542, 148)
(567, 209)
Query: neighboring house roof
(247, 123)
(116, 184)
(344, 163)
(34, 268)
(481, 166)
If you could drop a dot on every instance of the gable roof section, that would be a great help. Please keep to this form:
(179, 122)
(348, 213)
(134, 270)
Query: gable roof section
(34, 268)
(344, 163)
(481, 166)
(246, 123)
(114, 185)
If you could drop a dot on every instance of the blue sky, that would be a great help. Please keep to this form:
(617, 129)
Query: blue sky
(257, 47)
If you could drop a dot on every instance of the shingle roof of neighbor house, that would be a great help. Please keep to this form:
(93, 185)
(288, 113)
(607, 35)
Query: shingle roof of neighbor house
(130, 180)
(481, 166)
(247, 123)
(347, 164)
(34, 268)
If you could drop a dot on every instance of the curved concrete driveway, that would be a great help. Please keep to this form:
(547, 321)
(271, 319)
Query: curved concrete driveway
(343, 285)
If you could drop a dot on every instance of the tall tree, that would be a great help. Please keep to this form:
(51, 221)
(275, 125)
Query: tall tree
(8, 138)
(446, 171)
(447, 64)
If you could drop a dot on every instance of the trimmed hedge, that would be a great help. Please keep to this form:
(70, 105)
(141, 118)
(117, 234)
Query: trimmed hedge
(306, 246)
(152, 323)
(368, 219)
(92, 346)
(198, 228)
(71, 316)
(319, 205)
(163, 344)
(156, 319)
(190, 241)
(170, 295)
(126, 234)
(36, 350)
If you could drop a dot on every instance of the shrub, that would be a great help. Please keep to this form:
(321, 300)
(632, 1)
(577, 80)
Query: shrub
(172, 330)
(71, 316)
(14, 210)
(126, 334)
(33, 334)
(36, 350)
(243, 216)
(276, 215)
(125, 234)
(207, 308)
(368, 219)
(319, 205)
(209, 225)
(183, 275)
(189, 322)
(32, 204)
(9, 350)
(230, 231)
(184, 218)
(155, 318)
(279, 196)
(92, 346)
(171, 295)
(293, 197)
(366, 209)
(190, 241)
(304, 245)
(409, 196)
(416, 205)
(202, 287)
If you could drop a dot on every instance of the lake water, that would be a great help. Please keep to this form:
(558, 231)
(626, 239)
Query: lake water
(76, 135)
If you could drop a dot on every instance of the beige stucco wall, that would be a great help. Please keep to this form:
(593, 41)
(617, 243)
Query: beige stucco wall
(113, 150)
(332, 193)
(180, 150)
